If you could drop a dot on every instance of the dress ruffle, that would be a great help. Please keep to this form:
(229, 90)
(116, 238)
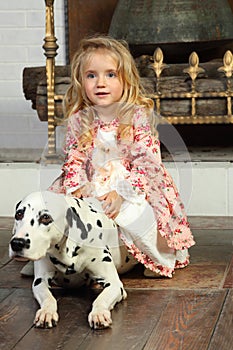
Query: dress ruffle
(149, 263)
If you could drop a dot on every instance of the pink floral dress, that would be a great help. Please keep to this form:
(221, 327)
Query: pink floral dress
(144, 174)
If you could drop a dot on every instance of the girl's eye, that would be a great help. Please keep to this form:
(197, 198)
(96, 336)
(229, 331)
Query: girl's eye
(90, 75)
(112, 75)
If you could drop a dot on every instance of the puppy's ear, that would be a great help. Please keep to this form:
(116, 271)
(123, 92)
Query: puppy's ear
(17, 205)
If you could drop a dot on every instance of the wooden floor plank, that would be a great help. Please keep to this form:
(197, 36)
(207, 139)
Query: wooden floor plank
(17, 313)
(5, 236)
(133, 322)
(4, 293)
(228, 283)
(10, 276)
(211, 237)
(73, 311)
(188, 321)
(4, 251)
(6, 223)
(210, 222)
(192, 277)
(220, 255)
(223, 334)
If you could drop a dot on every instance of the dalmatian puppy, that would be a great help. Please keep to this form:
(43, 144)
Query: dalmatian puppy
(72, 242)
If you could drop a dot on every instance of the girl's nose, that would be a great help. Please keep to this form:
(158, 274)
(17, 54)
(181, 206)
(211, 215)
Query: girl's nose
(101, 82)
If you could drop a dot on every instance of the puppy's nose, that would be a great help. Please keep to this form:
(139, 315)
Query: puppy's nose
(17, 244)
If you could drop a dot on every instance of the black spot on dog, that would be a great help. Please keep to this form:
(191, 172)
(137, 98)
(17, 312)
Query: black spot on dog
(94, 259)
(17, 205)
(92, 240)
(77, 201)
(27, 243)
(71, 215)
(55, 261)
(101, 281)
(107, 259)
(101, 235)
(70, 270)
(57, 246)
(37, 282)
(93, 210)
(99, 223)
(27, 235)
(75, 252)
(32, 222)
(89, 227)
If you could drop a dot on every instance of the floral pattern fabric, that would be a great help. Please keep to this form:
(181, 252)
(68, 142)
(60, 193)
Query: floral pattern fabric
(145, 175)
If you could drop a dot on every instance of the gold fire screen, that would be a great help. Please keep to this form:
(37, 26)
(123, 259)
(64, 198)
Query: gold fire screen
(221, 89)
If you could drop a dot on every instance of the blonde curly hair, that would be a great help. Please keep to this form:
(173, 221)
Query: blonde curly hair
(133, 93)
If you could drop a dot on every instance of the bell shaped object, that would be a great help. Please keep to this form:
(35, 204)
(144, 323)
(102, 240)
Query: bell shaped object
(177, 26)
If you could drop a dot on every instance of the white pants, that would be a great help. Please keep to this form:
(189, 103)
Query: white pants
(138, 224)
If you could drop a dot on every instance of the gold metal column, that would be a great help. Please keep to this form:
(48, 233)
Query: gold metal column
(50, 46)
(158, 67)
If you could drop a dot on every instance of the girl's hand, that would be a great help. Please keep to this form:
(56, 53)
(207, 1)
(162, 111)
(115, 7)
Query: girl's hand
(112, 204)
(84, 191)
(77, 193)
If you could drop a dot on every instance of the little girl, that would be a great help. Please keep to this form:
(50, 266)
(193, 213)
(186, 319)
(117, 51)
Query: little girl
(113, 153)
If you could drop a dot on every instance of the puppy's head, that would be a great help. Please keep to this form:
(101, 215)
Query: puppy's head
(34, 229)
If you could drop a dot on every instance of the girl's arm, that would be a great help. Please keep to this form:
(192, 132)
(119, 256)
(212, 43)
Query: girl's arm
(74, 167)
(146, 156)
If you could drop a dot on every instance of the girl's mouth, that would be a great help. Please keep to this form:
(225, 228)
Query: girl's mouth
(102, 93)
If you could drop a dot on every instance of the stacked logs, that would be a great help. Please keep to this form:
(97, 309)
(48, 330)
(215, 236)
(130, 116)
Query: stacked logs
(172, 80)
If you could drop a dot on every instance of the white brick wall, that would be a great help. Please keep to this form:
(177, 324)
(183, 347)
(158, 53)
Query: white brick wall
(22, 30)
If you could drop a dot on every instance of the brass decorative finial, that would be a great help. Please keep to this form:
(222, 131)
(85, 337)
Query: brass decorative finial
(228, 64)
(158, 64)
(193, 70)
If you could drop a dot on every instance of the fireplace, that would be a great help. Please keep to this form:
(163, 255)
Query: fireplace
(194, 92)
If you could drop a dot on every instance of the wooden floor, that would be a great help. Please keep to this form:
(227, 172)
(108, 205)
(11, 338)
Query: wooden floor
(191, 311)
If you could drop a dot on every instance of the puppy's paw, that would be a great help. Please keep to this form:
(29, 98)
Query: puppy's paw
(46, 319)
(100, 319)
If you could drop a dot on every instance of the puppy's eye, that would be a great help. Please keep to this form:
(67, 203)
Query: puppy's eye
(19, 214)
(45, 219)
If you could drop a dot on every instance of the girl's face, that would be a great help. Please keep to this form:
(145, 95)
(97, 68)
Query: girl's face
(102, 83)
